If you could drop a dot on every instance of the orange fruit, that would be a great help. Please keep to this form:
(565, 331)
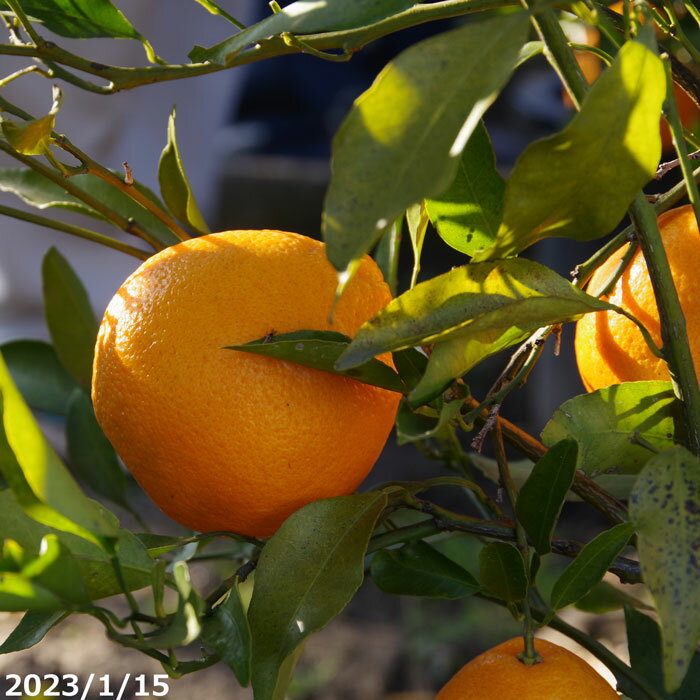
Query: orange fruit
(222, 439)
(609, 347)
(497, 674)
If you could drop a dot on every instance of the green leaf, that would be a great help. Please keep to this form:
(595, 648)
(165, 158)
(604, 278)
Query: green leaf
(308, 571)
(94, 562)
(421, 570)
(603, 422)
(321, 350)
(41, 482)
(417, 220)
(412, 426)
(644, 644)
(29, 138)
(80, 19)
(387, 255)
(502, 571)
(402, 140)
(542, 496)
(91, 455)
(578, 183)
(69, 316)
(40, 192)
(215, 9)
(39, 375)
(472, 312)
(300, 18)
(18, 594)
(410, 364)
(227, 632)
(56, 570)
(590, 565)
(665, 505)
(468, 214)
(32, 628)
(174, 185)
(604, 597)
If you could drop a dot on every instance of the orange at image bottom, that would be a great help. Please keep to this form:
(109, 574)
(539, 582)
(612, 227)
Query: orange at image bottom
(498, 674)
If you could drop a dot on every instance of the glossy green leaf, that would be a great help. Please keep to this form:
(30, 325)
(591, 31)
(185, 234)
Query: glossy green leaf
(644, 645)
(302, 17)
(468, 214)
(321, 350)
(387, 255)
(603, 422)
(91, 455)
(665, 506)
(174, 185)
(40, 192)
(590, 565)
(579, 182)
(94, 562)
(227, 632)
(31, 629)
(69, 316)
(41, 482)
(604, 597)
(307, 573)
(419, 569)
(471, 312)
(56, 570)
(402, 140)
(29, 138)
(39, 375)
(542, 496)
(80, 19)
(502, 571)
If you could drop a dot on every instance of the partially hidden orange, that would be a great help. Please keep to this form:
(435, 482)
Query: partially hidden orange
(498, 674)
(609, 347)
(222, 439)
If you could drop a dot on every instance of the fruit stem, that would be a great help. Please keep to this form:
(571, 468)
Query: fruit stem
(673, 327)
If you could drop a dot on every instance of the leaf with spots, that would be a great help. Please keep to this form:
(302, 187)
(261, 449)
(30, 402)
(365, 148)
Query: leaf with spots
(665, 505)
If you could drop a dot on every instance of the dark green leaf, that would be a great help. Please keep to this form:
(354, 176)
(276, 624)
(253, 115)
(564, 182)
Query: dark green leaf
(421, 570)
(174, 185)
(468, 214)
(603, 422)
(41, 482)
(502, 571)
(91, 455)
(402, 140)
(69, 316)
(56, 570)
(644, 644)
(39, 375)
(227, 632)
(29, 138)
(410, 364)
(665, 505)
(579, 182)
(80, 19)
(307, 573)
(471, 312)
(18, 593)
(604, 597)
(40, 192)
(426, 422)
(32, 628)
(590, 565)
(387, 255)
(302, 18)
(94, 563)
(542, 495)
(321, 350)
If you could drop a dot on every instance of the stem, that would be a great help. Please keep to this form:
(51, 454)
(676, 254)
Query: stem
(75, 231)
(24, 20)
(680, 34)
(673, 327)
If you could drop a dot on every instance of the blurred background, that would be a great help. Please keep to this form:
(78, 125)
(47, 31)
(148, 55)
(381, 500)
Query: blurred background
(256, 145)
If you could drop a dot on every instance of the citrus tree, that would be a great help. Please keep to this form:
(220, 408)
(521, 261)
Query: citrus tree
(412, 158)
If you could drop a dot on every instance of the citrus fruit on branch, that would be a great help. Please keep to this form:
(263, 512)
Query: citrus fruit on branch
(609, 347)
(221, 439)
(498, 674)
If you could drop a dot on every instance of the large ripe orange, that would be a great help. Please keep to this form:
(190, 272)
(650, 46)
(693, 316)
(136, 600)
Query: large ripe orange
(221, 439)
(497, 674)
(609, 347)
